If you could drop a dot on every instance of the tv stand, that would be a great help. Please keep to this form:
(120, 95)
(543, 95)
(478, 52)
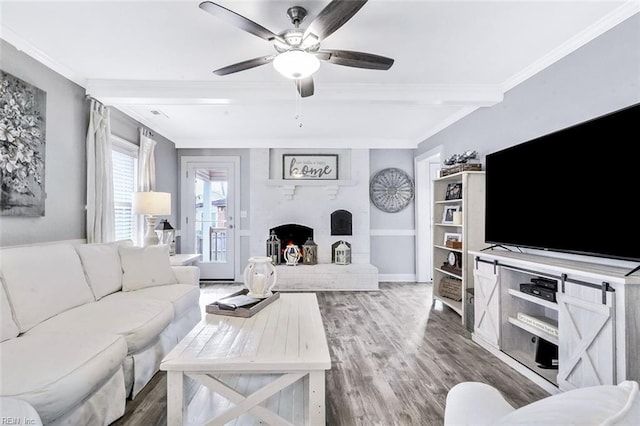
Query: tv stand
(632, 271)
(593, 319)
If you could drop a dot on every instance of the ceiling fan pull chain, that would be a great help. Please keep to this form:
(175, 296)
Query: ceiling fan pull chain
(298, 114)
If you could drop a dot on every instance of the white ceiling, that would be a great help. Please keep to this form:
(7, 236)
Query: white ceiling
(451, 57)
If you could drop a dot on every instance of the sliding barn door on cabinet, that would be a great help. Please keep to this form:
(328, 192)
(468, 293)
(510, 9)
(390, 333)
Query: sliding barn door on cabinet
(587, 350)
(487, 303)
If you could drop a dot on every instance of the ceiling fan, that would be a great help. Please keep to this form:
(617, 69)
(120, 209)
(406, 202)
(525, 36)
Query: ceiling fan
(298, 52)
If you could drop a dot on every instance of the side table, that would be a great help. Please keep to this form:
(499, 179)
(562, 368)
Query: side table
(184, 259)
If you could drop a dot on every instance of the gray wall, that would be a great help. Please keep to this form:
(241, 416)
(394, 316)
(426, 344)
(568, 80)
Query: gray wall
(394, 252)
(165, 154)
(65, 157)
(65, 164)
(600, 77)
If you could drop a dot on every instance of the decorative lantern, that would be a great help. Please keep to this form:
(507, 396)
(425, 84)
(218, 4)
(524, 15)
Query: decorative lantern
(260, 277)
(167, 235)
(273, 248)
(310, 252)
(343, 254)
(292, 254)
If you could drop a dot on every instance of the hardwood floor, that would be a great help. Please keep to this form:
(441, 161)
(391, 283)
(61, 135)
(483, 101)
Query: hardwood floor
(394, 358)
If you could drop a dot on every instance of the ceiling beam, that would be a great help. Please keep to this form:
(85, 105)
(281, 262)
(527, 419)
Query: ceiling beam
(134, 92)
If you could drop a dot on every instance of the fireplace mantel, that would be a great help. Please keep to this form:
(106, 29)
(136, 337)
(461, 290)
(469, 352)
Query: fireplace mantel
(331, 187)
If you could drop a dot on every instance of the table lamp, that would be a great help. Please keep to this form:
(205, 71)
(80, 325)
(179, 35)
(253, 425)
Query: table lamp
(151, 204)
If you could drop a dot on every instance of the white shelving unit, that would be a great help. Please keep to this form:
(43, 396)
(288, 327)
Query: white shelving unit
(471, 230)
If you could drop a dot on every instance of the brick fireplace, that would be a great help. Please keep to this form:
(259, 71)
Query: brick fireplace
(313, 204)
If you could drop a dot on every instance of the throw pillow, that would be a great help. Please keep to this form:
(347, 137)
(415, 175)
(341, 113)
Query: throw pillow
(102, 267)
(146, 267)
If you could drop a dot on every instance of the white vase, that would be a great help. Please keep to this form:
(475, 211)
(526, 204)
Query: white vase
(260, 276)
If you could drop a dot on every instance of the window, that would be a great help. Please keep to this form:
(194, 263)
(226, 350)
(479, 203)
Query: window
(125, 174)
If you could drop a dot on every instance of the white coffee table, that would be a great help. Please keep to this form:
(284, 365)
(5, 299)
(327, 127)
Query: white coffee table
(283, 344)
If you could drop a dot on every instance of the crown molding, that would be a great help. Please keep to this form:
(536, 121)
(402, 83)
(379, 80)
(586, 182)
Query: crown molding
(11, 37)
(606, 23)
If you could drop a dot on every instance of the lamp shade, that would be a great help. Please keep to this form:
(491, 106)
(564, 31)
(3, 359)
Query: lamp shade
(152, 203)
(296, 64)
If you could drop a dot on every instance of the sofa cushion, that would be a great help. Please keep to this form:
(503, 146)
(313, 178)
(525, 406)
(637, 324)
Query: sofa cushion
(54, 373)
(8, 328)
(146, 267)
(101, 263)
(595, 405)
(42, 281)
(182, 296)
(140, 322)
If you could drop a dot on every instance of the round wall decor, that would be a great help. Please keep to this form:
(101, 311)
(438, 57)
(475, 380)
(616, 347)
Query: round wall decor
(391, 190)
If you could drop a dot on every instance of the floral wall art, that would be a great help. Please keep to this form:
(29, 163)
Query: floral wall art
(22, 147)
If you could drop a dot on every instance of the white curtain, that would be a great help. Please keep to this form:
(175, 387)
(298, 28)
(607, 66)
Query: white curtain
(100, 220)
(146, 162)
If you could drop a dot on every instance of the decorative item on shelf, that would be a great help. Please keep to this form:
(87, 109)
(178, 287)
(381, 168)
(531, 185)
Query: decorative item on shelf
(167, 235)
(273, 248)
(310, 167)
(454, 191)
(451, 288)
(447, 213)
(343, 254)
(453, 240)
(151, 204)
(457, 218)
(310, 252)
(292, 254)
(453, 263)
(391, 190)
(467, 161)
(260, 277)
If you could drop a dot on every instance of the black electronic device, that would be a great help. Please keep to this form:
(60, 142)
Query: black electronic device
(546, 355)
(546, 283)
(538, 291)
(530, 185)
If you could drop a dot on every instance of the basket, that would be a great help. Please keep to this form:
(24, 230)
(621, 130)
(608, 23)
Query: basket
(451, 288)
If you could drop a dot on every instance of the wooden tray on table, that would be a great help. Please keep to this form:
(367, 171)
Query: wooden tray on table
(219, 307)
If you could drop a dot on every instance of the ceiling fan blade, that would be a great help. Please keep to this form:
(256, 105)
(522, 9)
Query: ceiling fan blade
(332, 17)
(239, 21)
(305, 86)
(245, 65)
(356, 59)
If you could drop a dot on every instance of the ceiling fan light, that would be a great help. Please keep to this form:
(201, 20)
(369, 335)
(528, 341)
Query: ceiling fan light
(296, 64)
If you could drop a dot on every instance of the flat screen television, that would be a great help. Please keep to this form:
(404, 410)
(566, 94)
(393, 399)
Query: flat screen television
(574, 190)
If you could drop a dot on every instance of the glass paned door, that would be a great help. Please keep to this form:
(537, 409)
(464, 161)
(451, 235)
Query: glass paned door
(210, 227)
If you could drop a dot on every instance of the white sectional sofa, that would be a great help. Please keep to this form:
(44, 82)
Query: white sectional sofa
(85, 327)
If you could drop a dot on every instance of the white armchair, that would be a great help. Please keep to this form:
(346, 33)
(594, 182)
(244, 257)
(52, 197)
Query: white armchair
(472, 403)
